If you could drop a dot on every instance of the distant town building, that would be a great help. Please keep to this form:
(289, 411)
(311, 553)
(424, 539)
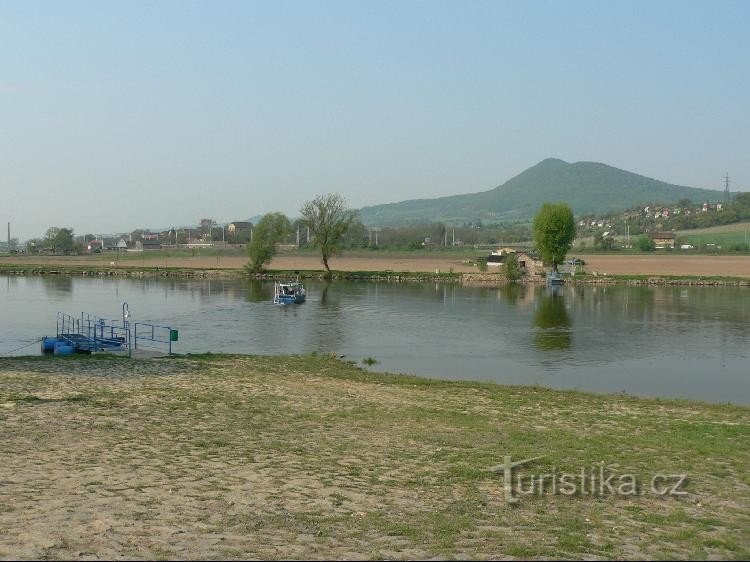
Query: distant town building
(239, 226)
(206, 226)
(95, 246)
(151, 244)
(663, 240)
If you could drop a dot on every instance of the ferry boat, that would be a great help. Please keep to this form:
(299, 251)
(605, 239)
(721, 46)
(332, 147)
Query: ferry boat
(288, 293)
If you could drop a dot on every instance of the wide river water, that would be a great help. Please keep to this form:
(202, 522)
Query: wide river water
(689, 342)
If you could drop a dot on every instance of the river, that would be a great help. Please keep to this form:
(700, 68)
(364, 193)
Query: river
(673, 341)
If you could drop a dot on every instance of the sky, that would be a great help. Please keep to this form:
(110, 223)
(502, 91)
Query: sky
(134, 114)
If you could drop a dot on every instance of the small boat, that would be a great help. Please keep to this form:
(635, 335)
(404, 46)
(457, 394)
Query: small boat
(288, 293)
(554, 278)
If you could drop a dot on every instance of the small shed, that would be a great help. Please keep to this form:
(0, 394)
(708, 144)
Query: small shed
(530, 264)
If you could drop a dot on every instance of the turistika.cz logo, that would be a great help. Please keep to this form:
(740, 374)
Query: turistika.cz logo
(593, 481)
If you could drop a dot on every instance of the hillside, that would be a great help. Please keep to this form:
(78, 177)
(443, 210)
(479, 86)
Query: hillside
(588, 187)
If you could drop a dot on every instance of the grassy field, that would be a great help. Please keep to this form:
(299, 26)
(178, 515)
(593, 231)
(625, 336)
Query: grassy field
(727, 236)
(312, 457)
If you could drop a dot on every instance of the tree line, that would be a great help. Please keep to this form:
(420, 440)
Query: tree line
(328, 219)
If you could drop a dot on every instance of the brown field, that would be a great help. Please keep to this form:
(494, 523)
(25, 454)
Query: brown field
(653, 264)
(393, 262)
(660, 264)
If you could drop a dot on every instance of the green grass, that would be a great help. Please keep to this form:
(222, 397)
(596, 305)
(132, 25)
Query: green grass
(309, 456)
(733, 227)
(718, 239)
(725, 240)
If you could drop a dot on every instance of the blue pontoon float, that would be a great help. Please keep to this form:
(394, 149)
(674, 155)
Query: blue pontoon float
(88, 333)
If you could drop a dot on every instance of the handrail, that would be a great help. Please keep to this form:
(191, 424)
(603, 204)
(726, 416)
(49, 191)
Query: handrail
(152, 334)
(92, 333)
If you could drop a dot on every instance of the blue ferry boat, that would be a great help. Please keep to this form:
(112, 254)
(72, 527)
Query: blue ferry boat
(289, 293)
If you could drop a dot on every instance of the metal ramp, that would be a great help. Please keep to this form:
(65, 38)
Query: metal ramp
(89, 344)
(88, 333)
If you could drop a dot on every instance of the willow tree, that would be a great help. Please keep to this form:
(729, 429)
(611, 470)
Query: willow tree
(512, 269)
(272, 228)
(328, 218)
(554, 232)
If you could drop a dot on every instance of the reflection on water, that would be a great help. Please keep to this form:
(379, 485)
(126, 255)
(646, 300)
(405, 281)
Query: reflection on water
(324, 293)
(57, 285)
(552, 320)
(513, 292)
(257, 291)
(663, 341)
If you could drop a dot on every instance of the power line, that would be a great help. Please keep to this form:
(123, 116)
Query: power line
(726, 188)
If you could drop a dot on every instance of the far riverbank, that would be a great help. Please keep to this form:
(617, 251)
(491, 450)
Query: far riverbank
(600, 268)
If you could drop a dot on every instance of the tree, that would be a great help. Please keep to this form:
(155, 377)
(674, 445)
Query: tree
(356, 236)
(742, 202)
(64, 240)
(328, 218)
(511, 268)
(272, 228)
(59, 239)
(49, 238)
(646, 243)
(554, 232)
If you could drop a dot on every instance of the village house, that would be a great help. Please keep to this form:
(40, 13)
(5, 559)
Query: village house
(95, 246)
(236, 227)
(530, 265)
(663, 240)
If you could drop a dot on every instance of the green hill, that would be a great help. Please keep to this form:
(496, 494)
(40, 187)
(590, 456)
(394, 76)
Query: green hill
(588, 187)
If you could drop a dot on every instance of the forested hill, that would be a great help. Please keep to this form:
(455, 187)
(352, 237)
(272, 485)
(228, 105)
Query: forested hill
(588, 187)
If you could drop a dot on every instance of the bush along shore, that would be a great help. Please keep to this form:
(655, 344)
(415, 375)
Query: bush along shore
(485, 279)
(312, 457)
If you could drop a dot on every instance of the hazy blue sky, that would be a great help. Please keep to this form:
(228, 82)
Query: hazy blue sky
(117, 115)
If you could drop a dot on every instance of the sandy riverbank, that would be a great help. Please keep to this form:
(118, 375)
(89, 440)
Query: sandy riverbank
(309, 457)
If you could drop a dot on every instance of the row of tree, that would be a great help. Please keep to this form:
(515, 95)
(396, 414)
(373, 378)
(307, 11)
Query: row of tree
(327, 217)
(736, 211)
(332, 225)
(56, 240)
(329, 221)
